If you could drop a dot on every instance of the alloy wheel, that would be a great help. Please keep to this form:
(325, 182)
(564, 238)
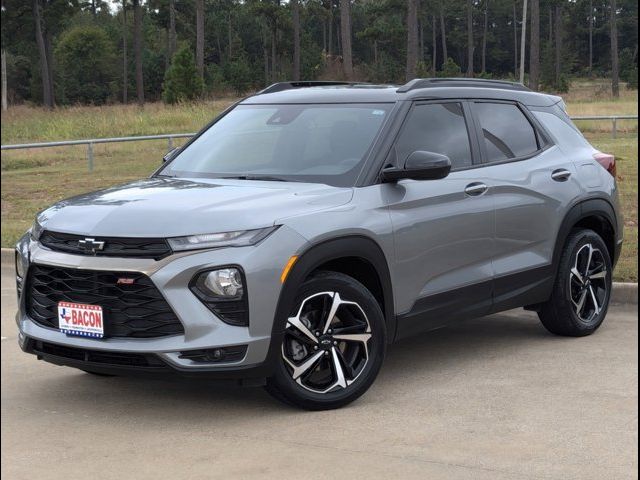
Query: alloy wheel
(588, 285)
(325, 347)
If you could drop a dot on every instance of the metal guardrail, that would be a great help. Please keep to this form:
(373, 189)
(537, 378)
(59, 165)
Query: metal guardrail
(170, 136)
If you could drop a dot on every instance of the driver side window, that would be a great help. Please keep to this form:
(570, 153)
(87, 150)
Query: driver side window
(439, 128)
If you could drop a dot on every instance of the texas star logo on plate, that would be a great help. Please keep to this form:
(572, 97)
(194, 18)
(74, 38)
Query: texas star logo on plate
(80, 319)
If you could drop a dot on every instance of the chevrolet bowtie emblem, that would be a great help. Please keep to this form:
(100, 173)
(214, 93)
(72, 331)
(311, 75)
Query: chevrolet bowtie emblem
(90, 245)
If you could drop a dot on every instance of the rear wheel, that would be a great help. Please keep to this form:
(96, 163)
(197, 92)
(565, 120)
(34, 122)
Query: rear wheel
(582, 291)
(333, 345)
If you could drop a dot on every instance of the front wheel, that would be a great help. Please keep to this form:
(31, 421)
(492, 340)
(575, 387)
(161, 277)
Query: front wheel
(333, 346)
(582, 291)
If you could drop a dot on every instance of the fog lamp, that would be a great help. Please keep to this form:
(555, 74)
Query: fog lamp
(225, 283)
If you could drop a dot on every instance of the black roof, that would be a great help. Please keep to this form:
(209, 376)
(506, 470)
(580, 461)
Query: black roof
(430, 88)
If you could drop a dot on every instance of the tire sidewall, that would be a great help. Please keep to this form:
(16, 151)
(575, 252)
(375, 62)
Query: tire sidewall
(578, 241)
(349, 290)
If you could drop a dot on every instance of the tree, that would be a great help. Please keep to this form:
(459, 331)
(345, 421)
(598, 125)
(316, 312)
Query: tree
(137, 47)
(445, 54)
(295, 18)
(523, 40)
(534, 47)
(558, 44)
(615, 68)
(412, 38)
(200, 37)
(85, 76)
(182, 82)
(485, 29)
(125, 62)
(172, 46)
(470, 46)
(45, 68)
(345, 36)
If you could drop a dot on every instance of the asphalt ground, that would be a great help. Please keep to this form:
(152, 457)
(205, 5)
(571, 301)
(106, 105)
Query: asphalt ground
(492, 398)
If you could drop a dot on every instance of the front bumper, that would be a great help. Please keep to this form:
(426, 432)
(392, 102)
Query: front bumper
(262, 265)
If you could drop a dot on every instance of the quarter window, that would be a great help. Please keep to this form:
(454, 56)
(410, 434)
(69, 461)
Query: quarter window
(506, 131)
(438, 128)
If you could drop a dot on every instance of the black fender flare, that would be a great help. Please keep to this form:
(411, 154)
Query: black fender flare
(595, 207)
(314, 256)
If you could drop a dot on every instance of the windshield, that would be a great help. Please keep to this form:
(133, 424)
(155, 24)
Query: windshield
(307, 143)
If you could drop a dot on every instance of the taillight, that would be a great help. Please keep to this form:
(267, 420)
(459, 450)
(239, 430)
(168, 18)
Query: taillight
(607, 161)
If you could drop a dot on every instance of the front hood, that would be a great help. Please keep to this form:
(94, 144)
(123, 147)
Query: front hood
(169, 207)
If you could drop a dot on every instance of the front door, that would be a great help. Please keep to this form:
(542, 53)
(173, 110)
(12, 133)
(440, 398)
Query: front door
(443, 229)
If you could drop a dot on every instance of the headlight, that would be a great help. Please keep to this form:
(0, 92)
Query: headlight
(224, 292)
(19, 266)
(241, 238)
(225, 283)
(36, 230)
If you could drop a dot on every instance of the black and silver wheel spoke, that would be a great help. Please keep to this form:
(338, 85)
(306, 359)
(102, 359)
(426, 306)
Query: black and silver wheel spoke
(588, 287)
(326, 343)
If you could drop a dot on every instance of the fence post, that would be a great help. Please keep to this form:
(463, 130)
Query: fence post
(90, 156)
(614, 128)
(170, 144)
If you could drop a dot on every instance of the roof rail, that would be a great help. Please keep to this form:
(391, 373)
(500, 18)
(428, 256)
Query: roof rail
(281, 86)
(461, 82)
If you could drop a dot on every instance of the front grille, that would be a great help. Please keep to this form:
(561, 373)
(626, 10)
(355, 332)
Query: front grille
(95, 356)
(113, 246)
(130, 310)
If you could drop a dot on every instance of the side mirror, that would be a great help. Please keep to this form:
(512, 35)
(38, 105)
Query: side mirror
(170, 154)
(420, 165)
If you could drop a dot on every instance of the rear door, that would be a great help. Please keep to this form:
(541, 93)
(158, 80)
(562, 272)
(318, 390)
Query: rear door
(532, 184)
(443, 229)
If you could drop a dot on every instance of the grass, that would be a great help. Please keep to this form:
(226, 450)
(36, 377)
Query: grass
(33, 179)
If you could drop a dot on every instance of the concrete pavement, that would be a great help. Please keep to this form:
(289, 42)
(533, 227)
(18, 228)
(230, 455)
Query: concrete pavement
(493, 398)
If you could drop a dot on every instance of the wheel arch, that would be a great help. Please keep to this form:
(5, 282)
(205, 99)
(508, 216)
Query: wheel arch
(596, 214)
(358, 256)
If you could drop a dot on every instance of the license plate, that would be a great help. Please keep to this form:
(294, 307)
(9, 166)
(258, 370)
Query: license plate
(80, 319)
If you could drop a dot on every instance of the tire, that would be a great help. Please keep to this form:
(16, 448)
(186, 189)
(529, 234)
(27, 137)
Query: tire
(580, 299)
(333, 362)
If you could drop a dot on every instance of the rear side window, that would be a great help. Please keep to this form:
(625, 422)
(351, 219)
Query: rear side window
(439, 128)
(506, 132)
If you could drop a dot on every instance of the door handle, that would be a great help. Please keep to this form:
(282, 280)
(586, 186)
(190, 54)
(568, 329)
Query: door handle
(475, 189)
(561, 175)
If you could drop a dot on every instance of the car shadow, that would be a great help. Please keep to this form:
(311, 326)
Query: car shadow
(425, 357)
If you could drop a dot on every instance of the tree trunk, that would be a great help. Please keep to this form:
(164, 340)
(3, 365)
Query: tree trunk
(265, 55)
(137, 48)
(47, 94)
(49, 50)
(515, 38)
(274, 52)
(523, 40)
(125, 63)
(558, 53)
(534, 47)
(4, 80)
(200, 38)
(330, 42)
(412, 39)
(421, 30)
(485, 30)
(615, 69)
(445, 54)
(590, 36)
(345, 34)
(470, 47)
(295, 18)
(172, 29)
(434, 44)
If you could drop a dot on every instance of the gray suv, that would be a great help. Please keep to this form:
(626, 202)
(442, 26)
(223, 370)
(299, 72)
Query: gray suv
(312, 224)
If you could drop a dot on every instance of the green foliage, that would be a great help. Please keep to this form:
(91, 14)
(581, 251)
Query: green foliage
(85, 64)
(629, 68)
(182, 82)
(450, 69)
(237, 74)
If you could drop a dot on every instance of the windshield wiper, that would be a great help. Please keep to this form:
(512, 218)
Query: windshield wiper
(265, 178)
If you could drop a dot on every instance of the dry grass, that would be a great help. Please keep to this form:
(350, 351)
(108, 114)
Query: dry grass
(33, 179)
